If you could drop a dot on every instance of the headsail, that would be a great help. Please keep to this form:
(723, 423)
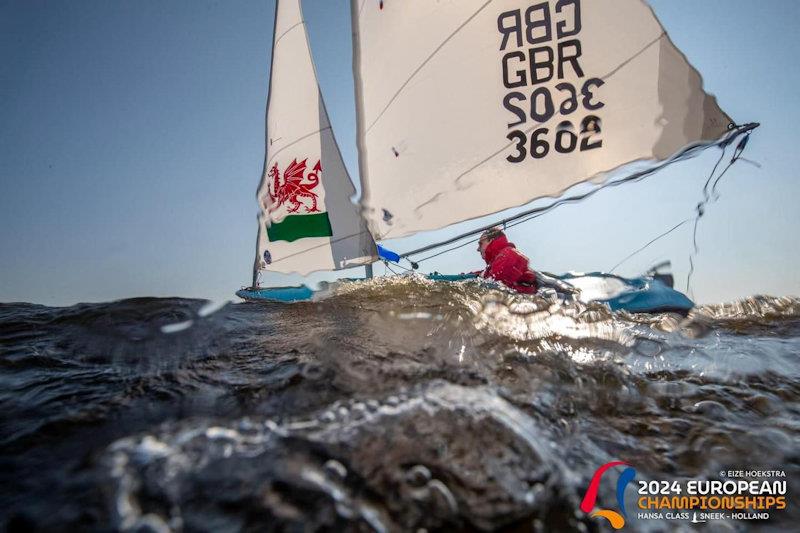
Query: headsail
(469, 107)
(306, 220)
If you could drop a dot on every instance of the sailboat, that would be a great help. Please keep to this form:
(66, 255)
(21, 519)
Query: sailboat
(469, 108)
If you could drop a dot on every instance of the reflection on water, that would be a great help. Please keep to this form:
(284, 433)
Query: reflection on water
(397, 404)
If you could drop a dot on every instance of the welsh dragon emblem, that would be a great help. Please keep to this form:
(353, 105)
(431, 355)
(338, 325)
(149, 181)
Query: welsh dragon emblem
(297, 189)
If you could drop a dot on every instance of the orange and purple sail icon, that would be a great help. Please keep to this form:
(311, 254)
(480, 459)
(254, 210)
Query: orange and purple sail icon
(617, 520)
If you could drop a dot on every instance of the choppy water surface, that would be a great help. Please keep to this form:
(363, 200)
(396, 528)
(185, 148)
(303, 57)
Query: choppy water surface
(395, 405)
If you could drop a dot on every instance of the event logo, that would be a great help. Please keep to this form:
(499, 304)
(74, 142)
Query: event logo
(616, 519)
(746, 494)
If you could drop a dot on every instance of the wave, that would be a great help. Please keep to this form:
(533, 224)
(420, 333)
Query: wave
(395, 404)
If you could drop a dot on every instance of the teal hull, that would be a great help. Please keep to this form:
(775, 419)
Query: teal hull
(636, 295)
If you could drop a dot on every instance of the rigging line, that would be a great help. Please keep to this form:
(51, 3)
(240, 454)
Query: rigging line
(523, 220)
(676, 226)
(700, 209)
(698, 216)
(386, 264)
(425, 62)
(398, 265)
(695, 250)
(448, 250)
(750, 162)
(506, 225)
(714, 193)
(701, 206)
(737, 155)
(705, 187)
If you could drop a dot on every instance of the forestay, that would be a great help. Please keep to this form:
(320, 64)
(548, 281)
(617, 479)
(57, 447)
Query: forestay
(469, 107)
(306, 220)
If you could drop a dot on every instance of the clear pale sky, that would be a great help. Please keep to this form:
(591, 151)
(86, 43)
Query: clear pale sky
(132, 142)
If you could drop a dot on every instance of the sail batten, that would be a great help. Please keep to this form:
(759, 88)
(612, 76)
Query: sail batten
(307, 221)
(468, 108)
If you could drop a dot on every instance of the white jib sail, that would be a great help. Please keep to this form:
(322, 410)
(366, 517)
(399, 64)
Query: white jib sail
(469, 107)
(307, 221)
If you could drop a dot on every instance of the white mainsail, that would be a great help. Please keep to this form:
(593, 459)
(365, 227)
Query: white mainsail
(307, 221)
(469, 107)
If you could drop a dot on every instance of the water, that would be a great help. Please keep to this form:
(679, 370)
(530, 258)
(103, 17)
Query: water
(395, 405)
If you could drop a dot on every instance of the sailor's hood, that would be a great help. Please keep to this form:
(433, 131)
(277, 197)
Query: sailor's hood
(494, 248)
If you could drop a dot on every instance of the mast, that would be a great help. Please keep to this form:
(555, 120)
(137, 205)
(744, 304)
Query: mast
(259, 235)
(257, 261)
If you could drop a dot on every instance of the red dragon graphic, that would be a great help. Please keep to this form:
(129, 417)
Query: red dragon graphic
(294, 190)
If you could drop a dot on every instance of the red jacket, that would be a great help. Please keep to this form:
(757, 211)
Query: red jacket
(508, 266)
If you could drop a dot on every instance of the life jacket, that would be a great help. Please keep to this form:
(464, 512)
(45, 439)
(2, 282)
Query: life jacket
(508, 266)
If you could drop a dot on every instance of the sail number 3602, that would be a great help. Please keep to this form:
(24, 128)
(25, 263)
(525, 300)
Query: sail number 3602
(564, 140)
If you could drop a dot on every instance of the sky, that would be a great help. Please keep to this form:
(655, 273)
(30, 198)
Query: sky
(132, 143)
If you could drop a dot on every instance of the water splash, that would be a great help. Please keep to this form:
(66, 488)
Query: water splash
(391, 405)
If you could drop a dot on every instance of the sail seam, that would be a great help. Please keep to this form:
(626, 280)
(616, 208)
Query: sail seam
(287, 31)
(295, 142)
(427, 60)
(634, 56)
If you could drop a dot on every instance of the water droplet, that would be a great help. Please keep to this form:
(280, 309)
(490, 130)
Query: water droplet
(178, 326)
(336, 468)
(418, 476)
(710, 408)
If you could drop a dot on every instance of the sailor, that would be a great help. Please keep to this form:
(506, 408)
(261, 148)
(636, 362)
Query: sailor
(504, 263)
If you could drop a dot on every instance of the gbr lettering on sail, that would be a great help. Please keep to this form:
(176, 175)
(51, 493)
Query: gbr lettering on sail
(552, 105)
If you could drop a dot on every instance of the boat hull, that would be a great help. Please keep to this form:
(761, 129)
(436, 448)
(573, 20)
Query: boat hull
(298, 293)
(645, 294)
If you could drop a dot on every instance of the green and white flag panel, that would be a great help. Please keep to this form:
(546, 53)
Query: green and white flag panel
(469, 107)
(307, 221)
